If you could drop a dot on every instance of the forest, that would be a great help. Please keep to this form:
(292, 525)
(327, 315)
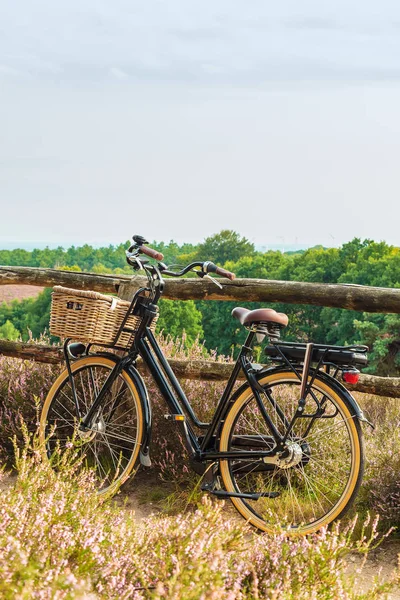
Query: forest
(359, 261)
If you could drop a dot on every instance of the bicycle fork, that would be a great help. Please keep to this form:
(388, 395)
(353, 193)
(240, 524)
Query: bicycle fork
(87, 421)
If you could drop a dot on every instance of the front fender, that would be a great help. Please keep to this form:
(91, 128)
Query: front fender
(146, 408)
(147, 415)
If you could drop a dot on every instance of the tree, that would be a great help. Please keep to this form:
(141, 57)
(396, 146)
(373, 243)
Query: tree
(29, 315)
(224, 246)
(222, 332)
(382, 334)
(9, 332)
(177, 317)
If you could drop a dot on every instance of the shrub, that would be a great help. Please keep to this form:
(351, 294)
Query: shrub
(23, 384)
(57, 540)
(381, 489)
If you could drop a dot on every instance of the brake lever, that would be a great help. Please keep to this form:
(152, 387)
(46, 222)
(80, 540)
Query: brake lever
(136, 264)
(203, 275)
(213, 280)
(134, 261)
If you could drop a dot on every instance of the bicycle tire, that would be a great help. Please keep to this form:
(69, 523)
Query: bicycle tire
(312, 492)
(112, 448)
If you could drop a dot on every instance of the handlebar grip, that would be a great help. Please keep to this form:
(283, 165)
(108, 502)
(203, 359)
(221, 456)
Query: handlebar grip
(225, 273)
(210, 267)
(151, 253)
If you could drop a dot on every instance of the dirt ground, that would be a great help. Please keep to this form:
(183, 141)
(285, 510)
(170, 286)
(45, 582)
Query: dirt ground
(380, 563)
(8, 293)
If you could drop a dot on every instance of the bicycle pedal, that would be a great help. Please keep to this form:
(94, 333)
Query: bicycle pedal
(177, 417)
(208, 486)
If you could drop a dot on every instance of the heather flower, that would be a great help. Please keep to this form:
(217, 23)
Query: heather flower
(59, 540)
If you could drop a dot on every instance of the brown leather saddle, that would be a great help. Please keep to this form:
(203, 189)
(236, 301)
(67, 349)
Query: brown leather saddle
(259, 315)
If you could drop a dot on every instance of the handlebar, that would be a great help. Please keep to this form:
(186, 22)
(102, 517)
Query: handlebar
(206, 268)
(140, 248)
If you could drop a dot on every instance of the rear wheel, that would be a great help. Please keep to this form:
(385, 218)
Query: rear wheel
(111, 447)
(317, 476)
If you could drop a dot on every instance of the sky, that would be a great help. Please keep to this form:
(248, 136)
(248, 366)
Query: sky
(176, 119)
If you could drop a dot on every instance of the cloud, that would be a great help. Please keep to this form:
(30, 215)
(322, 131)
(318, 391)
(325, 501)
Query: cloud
(199, 41)
(118, 73)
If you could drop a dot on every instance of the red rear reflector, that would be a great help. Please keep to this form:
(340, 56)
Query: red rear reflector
(351, 376)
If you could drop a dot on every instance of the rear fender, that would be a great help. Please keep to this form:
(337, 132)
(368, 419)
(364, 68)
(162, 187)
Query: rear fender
(341, 389)
(334, 383)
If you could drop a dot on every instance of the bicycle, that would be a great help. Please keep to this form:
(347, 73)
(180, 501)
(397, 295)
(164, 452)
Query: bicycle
(286, 447)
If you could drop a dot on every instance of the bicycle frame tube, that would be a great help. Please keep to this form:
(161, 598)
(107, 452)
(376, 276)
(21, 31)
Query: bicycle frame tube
(174, 382)
(179, 404)
(175, 397)
(243, 364)
(146, 345)
(222, 404)
(165, 388)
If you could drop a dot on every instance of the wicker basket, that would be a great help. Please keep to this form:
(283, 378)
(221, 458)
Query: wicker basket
(91, 317)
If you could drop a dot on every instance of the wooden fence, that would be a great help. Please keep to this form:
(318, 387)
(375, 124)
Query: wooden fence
(353, 297)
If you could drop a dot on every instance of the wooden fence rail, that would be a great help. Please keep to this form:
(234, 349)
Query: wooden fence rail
(194, 369)
(353, 297)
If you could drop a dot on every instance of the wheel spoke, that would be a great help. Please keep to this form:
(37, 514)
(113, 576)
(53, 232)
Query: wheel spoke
(114, 439)
(311, 478)
(123, 438)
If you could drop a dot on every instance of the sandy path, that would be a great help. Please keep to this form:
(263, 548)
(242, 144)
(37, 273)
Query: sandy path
(380, 562)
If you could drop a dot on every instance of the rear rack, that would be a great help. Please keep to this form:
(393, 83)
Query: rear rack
(354, 356)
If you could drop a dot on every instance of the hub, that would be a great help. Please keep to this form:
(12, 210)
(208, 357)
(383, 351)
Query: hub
(291, 456)
(98, 427)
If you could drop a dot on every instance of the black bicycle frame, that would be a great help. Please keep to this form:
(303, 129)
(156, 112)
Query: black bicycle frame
(145, 345)
(201, 448)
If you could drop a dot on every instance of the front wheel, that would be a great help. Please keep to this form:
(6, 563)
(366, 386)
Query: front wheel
(111, 447)
(318, 475)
